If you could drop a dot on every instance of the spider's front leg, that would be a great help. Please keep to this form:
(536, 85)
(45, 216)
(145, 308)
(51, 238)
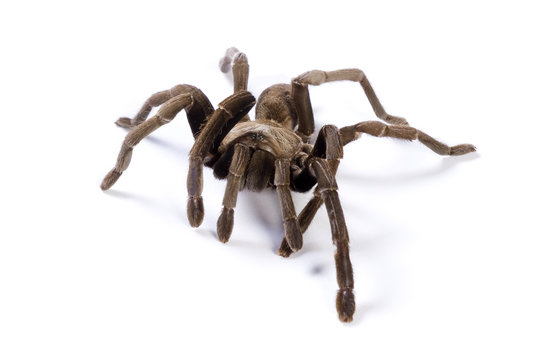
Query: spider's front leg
(328, 146)
(327, 187)
(237, 170)
(229, 112)
(292, 230)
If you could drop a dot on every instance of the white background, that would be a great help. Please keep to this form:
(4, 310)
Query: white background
(446, 251)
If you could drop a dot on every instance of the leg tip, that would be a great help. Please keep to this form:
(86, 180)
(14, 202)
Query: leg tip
(225, 224)
(110, 179)
(124, 122)
(196, 212)
(345, 304)
(284, 250)
(240, 58)
(293, 234)
(225, 62)
(462, 149)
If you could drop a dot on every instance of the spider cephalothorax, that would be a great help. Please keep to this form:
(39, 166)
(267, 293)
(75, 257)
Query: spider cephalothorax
(274, 150)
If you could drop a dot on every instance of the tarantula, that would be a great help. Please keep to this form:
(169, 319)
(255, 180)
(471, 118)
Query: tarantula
(272, 151)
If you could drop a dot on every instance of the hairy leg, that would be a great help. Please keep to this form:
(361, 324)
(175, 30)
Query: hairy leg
(376, 128)
(229, 112)
(301, 96)
(197, 112)
(237, 170)
(328, 146)
(238, 62)
(166, 113)
(345, 300)
(293, 234)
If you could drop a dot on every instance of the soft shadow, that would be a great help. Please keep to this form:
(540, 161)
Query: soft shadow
(265, 209)
(363, 309)
(175, 147)
(445, 165)
(170, 146)
(130, 196)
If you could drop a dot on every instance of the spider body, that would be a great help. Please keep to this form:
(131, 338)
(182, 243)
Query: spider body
(272, 151)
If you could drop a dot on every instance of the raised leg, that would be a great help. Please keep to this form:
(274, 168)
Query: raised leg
(237, 170)
(345, 300)
(376, 128)
(229, 112)
(166, 113)
(293, 235)
(236, 60)
(318, 77)
(197, 112)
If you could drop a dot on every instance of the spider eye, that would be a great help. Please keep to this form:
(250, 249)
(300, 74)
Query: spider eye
(260, 137)
(253, 136)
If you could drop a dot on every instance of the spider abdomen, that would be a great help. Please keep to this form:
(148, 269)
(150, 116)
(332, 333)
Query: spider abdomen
(276, 103)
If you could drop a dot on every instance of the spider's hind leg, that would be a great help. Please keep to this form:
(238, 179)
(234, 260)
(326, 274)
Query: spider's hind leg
(181, 97)
(154, 100)
(301, 96)
(238, 62)
(166, 113)
(345, 299)
(379, 129)
(227, 115)
(196, 113)
(237, 169)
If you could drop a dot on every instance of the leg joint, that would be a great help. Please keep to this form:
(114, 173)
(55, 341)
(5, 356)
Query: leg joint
(328, 143)
(320, 169)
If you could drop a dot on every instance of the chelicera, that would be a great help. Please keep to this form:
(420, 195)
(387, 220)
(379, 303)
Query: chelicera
(272, 151)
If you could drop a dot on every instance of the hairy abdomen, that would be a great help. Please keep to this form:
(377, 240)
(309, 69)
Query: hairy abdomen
(275, 103)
